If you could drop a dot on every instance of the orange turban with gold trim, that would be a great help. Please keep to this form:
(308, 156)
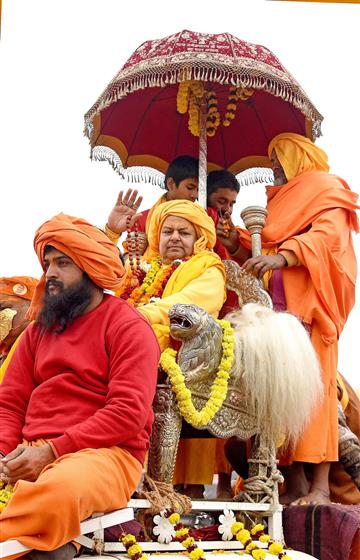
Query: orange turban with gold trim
(297, 154)
(190, 211)
(19, 286)
(86, 245)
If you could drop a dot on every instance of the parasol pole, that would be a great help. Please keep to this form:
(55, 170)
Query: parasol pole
(254, 218)
(203, 153)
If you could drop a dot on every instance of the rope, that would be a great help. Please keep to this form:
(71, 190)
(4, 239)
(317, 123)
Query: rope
(162, 495)
(260, 486)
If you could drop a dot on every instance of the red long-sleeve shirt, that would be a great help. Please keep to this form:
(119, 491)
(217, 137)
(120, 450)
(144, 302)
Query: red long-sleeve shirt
(90, 386)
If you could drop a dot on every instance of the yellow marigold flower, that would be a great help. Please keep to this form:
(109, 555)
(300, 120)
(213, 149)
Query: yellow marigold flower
(188, 542)
(257, 528)
(134, 549)
(197, 554)
(258, 554)
(174, 518)
(128, 539)
(182, 532)
(275, 548)
(264, 538)
(236, 527)
(243, 536)
(251, 546)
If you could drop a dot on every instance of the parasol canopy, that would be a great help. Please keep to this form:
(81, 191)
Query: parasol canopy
(137, 116)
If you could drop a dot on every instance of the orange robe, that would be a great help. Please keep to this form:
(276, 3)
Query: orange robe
(313, 215)
(46, 514)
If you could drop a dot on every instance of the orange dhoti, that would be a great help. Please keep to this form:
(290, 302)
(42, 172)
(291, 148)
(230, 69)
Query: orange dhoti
(198, 459)
(46, 514)
(319, 441)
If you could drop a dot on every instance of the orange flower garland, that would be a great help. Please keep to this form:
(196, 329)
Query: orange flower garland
(189, 95)
(142, 288)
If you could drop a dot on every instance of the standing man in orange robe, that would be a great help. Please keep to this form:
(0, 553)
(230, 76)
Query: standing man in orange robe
(310, 259)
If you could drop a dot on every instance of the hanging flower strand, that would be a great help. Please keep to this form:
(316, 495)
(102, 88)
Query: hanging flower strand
(235, 93)
(219, 388)
(213, 119)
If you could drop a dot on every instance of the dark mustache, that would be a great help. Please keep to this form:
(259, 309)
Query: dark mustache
(54, 283)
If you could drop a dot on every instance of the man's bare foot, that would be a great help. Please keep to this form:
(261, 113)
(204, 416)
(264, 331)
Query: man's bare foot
(288, 498)
(297, 484)
(316, 496)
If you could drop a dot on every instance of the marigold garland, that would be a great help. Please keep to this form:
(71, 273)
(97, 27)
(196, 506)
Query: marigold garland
(133, 549)
(6, 491)
(241, 534)
(258, 533)
(188, 99)
(141, 289)
(235, 93)
(218, 390)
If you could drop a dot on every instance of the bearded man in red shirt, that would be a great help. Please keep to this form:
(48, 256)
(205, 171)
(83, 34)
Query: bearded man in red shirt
(76, 400)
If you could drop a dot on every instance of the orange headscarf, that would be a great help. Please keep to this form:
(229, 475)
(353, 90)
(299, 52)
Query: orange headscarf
(19, 286)
(203, 224)
(297, 154)
(86, 245)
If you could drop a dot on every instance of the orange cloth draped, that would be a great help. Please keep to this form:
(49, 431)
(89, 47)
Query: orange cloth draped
(297, 154)
(78, 484)
(198, 459)
(19, 286)
(86, 245)
(313, 215)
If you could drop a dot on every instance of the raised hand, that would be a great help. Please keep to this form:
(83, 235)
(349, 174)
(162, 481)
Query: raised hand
(126, 205)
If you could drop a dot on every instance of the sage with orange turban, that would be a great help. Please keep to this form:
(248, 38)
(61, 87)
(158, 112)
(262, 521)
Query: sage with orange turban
(297, 154)
(86, 245)
(191, 211)
(312, 217)
(199, 279)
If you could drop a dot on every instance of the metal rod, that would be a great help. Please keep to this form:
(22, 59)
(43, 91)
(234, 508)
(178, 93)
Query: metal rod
(203, 154)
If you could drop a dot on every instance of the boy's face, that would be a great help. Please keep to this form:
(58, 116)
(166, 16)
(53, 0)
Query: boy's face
(186, 190)
(223, 199)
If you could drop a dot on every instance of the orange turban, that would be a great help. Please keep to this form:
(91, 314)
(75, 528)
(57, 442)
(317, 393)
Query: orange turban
(195, 214)
(297, 154)
(19, 286)
(86, 245)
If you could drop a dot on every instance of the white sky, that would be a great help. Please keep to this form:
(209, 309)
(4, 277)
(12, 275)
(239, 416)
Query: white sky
(57, 57)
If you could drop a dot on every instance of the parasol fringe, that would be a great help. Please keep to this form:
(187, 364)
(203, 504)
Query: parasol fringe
(238, 77)
(134, 174)
(147, 175)
(255, 175)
